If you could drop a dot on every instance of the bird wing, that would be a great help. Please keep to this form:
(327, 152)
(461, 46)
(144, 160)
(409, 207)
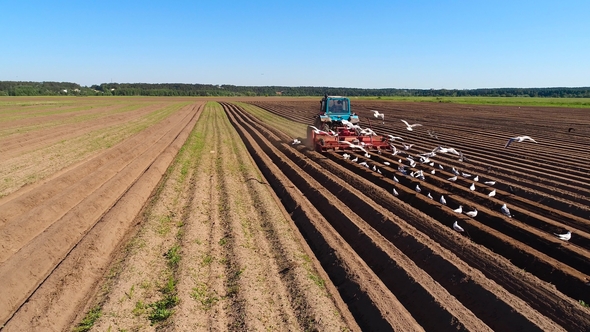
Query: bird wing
(508, 143)
(528, 138)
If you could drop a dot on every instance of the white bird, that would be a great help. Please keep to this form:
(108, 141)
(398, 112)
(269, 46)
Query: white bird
(412, 163)
(407, 146)
(367, 155)
(441, 166)
(386, 163)
(442, 200)
(433, 172)
(395, 192)
(394, 149)
(465, 175)
(367, 132)
(395, 179)
(355, 159)
(472, 214)
(446, 150)
(506, 211)
(565, 236)
(429, 196)
(374, 168)
(452, 179)
(345, 156)
(519, 139)
(379, 171)
(476, 178)
(420, 175)
(459, 209)
(355, 146)
(296, 141)
(409, 126)
(379, 115)
(492, 193)
(364, 163)
(472, 187)
(431, 164)
(348, 124)
(490, 183)
(393, 138)
(418, 189)
(317, 131)
(455, 171)
(457, 227)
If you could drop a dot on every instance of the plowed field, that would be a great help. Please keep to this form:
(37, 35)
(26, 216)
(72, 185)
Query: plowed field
(178, 214)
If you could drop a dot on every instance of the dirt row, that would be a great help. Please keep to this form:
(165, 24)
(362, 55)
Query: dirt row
(210, 219)
(542, 259)
(57, 237)
(217, 249)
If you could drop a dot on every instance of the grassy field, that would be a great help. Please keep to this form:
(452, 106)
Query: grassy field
(513, 101)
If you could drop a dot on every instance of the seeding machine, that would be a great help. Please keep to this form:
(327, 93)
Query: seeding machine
(337, 128)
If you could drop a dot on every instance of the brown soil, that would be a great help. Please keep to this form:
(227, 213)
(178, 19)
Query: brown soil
(271, 235)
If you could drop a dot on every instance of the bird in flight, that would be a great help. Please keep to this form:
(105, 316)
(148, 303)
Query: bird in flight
(407, 146)
(355, 146)
(446, 150)
(457, 227)
(409, 126)
(317, 131)
(379, 115)
(519, 139)
(393, 138)
(565, 236)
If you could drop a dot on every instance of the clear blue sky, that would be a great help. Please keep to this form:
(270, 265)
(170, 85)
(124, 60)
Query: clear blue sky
(364, 44)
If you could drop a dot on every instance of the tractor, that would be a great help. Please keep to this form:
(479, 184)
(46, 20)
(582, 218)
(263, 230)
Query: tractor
(334, 109)
(336, 127)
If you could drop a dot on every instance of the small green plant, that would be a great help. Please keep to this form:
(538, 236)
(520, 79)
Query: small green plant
(139, 308)
(173, 256)
(203, 295)
(223, 241)
(207, 259)
(317, 280)
(88, 321)
(162, 309)
(584, 304)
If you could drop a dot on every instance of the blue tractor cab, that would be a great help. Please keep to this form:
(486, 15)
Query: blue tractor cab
(334, 109)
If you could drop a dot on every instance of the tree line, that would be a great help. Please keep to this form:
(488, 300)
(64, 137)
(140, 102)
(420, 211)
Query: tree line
(17, 88)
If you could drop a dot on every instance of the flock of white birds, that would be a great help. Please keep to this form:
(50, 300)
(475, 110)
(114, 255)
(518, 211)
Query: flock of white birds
(424, 158)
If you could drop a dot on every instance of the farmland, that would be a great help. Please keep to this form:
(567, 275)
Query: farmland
(199, 214)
